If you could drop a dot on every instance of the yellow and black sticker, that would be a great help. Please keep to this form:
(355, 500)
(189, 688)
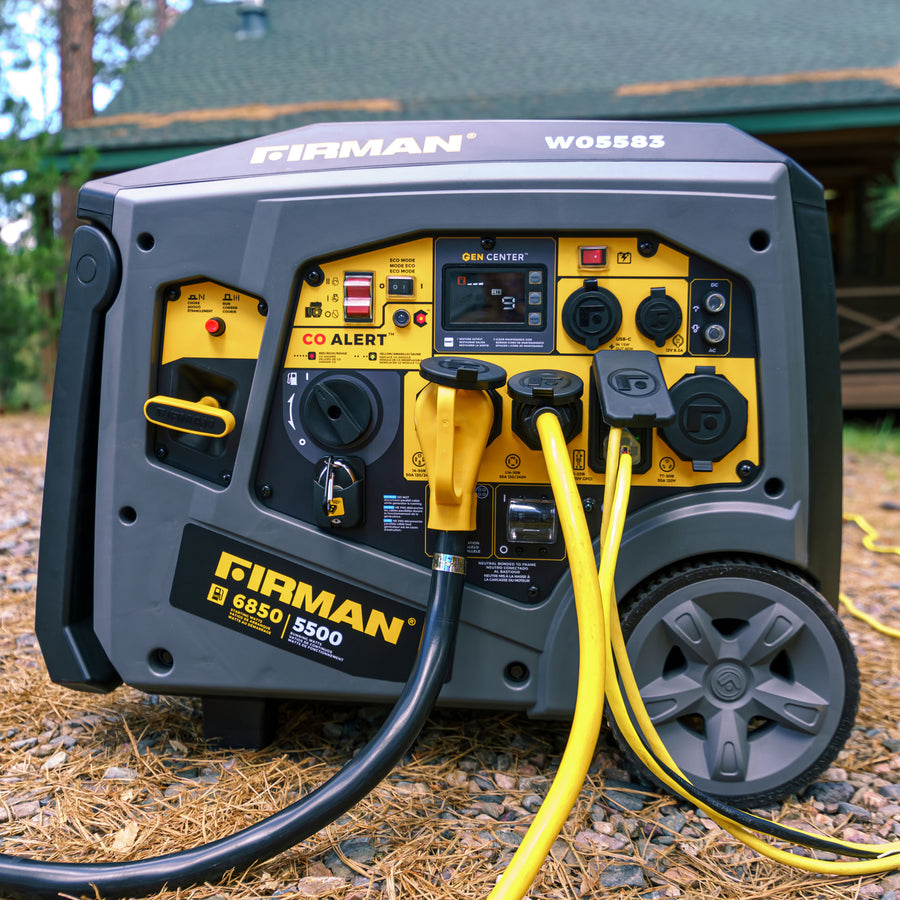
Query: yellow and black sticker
(294, 608)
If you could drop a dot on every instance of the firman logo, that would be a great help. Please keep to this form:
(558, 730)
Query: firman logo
(302, 596)
(347, 149)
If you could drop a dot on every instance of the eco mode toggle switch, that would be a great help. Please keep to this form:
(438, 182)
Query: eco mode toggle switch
(401, 286)
(358, 296)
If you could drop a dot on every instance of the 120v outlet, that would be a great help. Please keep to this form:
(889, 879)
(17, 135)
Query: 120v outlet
(710, 418)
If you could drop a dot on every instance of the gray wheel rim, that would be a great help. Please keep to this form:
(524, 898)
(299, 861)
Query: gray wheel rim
(743, 681)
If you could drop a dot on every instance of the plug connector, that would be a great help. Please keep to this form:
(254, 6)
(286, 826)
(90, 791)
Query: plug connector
(538, 391)
(454, 416)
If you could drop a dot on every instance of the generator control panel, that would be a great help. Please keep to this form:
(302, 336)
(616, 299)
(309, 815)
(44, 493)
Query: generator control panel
(363, 323)
(237, 499)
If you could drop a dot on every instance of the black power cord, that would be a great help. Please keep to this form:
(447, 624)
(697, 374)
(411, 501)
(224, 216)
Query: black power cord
(30, 879)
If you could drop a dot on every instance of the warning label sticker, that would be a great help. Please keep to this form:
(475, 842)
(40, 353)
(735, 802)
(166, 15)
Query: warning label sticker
(403, 512)
(508, 571)
(294, 608)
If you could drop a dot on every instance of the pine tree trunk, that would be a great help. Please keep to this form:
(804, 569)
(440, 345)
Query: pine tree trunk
(162, 16)
(76, 45)
(76, 65)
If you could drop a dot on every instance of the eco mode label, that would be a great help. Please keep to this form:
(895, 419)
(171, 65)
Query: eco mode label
(294, 608)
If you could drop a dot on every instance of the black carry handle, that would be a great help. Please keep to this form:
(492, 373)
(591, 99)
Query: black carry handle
(65, 588)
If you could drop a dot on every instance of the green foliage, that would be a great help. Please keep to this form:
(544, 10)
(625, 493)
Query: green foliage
(884, 200)
(18, 324)
(30, 265)
(867, 436)
(32, 268)
(125, 30)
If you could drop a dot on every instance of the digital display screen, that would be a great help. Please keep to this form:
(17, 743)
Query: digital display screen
(486, 297)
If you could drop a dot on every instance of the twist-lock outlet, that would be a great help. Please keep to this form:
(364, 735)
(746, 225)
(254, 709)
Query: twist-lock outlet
(539, 390)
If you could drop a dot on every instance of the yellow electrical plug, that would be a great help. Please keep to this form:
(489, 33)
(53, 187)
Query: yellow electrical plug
(454, 415)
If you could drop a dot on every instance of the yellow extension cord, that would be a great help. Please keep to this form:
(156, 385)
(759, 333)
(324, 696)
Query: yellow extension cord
(655, 750)
(599, 626)
(870, 542)
(587, 719)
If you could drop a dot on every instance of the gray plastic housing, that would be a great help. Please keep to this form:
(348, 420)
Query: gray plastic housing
(252, 216)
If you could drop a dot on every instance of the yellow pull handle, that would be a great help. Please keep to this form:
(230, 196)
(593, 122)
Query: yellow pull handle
(204, 417)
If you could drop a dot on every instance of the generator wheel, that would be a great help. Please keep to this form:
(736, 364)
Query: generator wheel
(747, 673)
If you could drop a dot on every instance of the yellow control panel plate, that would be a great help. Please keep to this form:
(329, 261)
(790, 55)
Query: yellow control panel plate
(322, 338)
(510, 461)
(400, 330)
(207, 320)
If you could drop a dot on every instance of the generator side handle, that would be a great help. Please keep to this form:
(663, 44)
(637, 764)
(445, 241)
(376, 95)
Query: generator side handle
(65, 588)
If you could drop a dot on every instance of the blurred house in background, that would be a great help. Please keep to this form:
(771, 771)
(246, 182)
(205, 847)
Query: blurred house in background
(817, 79)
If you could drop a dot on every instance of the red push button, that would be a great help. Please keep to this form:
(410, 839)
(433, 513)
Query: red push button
(592, 257)
(358, 296)
(215, 326)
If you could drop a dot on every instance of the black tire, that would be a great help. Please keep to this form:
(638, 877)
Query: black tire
(747, 673)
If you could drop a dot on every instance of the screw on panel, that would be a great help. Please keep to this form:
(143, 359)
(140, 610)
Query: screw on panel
(647, 247)
(516, 672)
(264, 491)
(488, 243)
(745, 470)
(262, 307)
(225, 477)
(534, 592)
(161, 452)
(172, 293)
(589, 504)
(315, 277)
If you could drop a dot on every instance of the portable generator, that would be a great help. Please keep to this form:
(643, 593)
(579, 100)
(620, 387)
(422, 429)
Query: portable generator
(236, 494)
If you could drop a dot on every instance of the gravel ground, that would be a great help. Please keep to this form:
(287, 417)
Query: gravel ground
(89, 778)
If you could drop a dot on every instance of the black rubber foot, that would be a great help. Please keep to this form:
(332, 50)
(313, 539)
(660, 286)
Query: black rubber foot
(240, 722)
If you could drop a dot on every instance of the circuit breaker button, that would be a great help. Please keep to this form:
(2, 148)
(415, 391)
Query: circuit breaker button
(358, 296)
